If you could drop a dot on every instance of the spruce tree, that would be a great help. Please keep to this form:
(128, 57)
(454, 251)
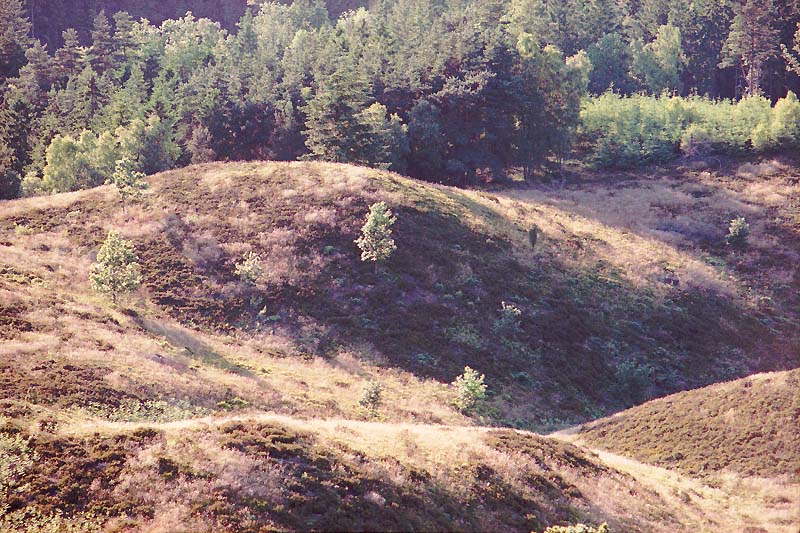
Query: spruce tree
(117, 269)
(14, 30)
(123, 42)
(334, 130)
(101, 53)
(68, 57)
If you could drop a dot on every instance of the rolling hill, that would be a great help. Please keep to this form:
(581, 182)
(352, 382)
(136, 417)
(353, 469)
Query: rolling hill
(199, 381)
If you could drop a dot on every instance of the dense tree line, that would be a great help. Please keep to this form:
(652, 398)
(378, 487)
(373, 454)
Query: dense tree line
(451, 90)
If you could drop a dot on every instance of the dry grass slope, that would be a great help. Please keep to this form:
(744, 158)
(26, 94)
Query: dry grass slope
(203, 403)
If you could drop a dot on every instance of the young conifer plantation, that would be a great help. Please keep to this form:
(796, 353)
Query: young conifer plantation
(400, 265)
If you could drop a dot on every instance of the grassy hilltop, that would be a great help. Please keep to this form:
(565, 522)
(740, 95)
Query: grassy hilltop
(241, 402)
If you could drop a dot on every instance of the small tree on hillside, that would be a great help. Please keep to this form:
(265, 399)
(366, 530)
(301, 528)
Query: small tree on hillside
(117, 269)
(469, 389)
(376, 241)
(129, 182)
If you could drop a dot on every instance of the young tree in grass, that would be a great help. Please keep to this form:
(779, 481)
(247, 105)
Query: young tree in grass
(128, 181)
(376, 241)
(469, 389)
(117, 268)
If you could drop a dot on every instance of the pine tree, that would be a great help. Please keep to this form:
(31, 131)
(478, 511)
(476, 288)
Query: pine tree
(117, 270)
(69, 57)
(14, 30)
(793, 61)
(199, 145)
(38, 74)
(334, 130)
(101, 53)
(752, 41)
(376, 241)
(128, 181)
(124, 43)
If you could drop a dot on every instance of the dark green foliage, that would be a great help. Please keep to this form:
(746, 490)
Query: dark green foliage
(533, 236)
(752, 41)
(14, 36)
(101, 52)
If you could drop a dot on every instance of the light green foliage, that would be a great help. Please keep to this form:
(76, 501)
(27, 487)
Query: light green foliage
(371, 396)
(630, 131)
(149, 144)
(465, 335)
(469, 389)
(738, 232)
(389, 143)
(232, 404)
(250, 269)
(129, 182)
(73, 164)
(784, 130)
(578, 528)
(147, 411)
(117, 269)
(657, 65)
(376, 242)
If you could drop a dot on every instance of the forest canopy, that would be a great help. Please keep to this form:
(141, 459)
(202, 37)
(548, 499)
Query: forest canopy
(450, 90)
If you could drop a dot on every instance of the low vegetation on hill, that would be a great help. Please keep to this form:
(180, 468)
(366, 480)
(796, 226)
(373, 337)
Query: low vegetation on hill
(259, 346)
(749, 426)
(561, 331)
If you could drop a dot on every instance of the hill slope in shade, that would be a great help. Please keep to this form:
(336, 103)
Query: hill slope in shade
(749, 426)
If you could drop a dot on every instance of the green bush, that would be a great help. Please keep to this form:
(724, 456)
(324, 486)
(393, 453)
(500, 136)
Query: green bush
(371, 396)
(469, 389)
(249, 269)
(738, 232)
(508, 322)
(629, 131)
(117, 268)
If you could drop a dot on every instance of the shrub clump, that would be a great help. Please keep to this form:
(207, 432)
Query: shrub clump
(508, 323)
(738, 232)
(628, 131)
(128, 181)
(371, 396)
(249, 269)
(469, 389)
